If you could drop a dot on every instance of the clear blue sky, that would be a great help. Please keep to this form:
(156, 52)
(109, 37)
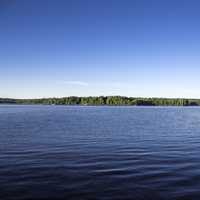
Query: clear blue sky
(147, 48)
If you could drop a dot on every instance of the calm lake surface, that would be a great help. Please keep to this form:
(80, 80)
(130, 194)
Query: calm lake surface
(74, 152)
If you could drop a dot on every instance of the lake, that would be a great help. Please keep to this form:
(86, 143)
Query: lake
(88, 152)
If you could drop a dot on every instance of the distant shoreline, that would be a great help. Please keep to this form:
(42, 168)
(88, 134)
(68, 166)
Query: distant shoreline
(104, 101)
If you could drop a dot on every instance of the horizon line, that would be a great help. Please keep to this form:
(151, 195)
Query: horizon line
(145, 97)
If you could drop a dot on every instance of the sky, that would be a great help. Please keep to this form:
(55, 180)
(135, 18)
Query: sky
(140, 48)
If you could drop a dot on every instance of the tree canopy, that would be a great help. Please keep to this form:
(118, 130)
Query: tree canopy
(106, 100)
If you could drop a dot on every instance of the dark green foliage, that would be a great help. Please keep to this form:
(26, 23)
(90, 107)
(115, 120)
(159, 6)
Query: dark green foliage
(144, 102)
(109, 100)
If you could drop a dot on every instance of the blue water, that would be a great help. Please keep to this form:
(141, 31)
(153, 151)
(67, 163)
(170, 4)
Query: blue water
(74, 152)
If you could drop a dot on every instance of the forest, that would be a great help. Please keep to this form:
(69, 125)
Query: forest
(106, 100)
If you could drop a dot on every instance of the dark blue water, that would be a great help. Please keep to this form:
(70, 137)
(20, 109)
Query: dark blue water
(63, 152)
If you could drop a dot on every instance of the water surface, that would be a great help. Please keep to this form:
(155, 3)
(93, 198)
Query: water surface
(80, 152)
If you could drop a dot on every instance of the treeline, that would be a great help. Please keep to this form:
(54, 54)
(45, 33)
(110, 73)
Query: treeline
(7, 101)
(106, 100)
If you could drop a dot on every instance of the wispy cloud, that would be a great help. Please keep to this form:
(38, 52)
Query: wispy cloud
(78, 83)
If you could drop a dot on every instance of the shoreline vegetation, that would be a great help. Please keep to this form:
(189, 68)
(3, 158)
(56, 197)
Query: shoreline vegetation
(105, 100)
